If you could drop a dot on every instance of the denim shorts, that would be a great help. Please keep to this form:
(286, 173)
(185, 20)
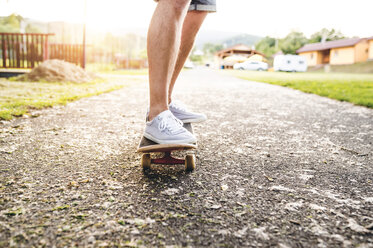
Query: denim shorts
(202, 5)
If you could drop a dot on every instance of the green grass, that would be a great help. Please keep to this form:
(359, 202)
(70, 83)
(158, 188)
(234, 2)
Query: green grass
(130, 72)
(17, 98)
(111, 69)
(354, 88)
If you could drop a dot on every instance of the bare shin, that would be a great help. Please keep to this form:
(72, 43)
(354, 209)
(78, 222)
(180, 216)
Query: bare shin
(191, 26)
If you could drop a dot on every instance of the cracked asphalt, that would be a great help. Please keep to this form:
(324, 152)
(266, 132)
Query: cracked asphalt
(275, 168)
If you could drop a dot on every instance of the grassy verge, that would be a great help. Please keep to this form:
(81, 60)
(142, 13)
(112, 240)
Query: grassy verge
(111, 69)
(354, 88)
(17, 98)
(130, 72)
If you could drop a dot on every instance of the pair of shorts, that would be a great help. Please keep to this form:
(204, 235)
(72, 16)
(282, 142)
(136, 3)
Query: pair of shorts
(202, 5)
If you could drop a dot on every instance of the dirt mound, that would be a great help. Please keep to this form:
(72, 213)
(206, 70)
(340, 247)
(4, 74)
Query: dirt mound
(55, 70)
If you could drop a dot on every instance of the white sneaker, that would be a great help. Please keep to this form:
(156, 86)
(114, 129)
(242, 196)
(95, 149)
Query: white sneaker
(180, 111)
(165, 128)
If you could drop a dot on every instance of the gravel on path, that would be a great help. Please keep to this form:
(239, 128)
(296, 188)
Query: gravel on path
(275, 167)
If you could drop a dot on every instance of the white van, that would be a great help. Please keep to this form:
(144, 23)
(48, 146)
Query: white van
(291, 63)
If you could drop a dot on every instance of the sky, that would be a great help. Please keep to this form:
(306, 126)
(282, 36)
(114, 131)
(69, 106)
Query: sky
(274, 18)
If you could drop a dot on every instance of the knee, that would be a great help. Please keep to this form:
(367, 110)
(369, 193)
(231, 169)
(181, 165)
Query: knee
(180, 6)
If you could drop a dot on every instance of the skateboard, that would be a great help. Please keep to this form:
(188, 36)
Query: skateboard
(147, 147)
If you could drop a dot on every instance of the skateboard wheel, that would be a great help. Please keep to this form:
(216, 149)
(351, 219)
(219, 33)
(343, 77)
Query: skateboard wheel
(190, 162)
(146, 161)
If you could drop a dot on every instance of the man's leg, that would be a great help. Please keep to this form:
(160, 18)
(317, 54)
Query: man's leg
(163, 45)
(191, 26)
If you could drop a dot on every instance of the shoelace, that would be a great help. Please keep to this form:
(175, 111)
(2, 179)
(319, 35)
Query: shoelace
(171, 124)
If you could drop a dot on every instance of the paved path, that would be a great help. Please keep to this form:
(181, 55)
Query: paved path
(276, 167)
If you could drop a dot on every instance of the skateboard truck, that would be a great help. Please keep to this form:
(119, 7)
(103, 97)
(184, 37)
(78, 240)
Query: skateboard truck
(147, 147)
(167, 159)
(189, 161)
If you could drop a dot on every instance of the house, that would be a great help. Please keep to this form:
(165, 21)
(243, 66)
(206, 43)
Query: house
(238, 53)
(338, 52)
(370, 42)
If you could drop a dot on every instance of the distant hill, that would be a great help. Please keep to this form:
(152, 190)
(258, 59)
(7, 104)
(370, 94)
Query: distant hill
(225, 38)
(211, 36)
(246, 39)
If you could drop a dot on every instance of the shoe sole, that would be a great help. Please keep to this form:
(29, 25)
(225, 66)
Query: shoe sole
(194, 120)
(150, 137)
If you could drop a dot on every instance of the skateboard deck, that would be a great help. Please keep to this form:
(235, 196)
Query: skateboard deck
(147, 147)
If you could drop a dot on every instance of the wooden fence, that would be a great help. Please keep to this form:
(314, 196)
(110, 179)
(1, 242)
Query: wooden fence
(72, 53)
(123, 63)
(23, 50)
(28, 50)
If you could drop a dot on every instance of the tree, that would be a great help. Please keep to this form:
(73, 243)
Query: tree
(211, 49)
(326, 35)
(292, 42)
(32, 29)
(11, 24)
(267, 45)
(197, 58)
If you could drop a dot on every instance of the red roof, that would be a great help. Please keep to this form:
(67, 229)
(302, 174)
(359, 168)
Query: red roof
(329, 44)
(238, 48)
